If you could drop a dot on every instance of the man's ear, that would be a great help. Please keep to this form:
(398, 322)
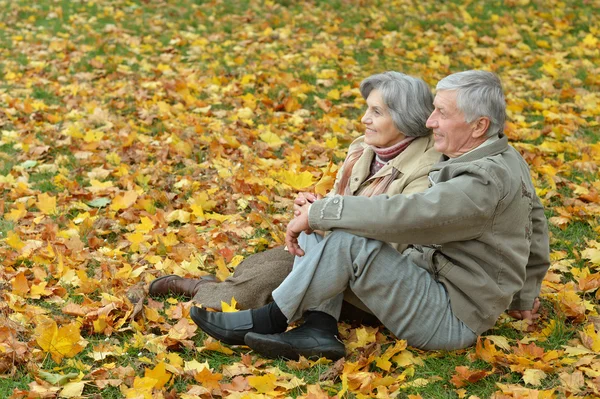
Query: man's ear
(480, 127)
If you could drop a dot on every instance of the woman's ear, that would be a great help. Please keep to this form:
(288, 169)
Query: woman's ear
(480, 127)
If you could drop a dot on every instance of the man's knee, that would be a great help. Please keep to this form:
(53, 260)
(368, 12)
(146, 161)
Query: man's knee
(343, 236)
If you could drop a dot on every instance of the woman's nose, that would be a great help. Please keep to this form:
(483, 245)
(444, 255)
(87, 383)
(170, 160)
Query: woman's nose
(365, 119)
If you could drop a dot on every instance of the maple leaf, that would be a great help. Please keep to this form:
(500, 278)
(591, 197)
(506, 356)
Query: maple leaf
(142, 388)
(211, 345)
(208, 379)
(464, 376)
(124, 200)
(229, 307)
(590, 338)
(271, 139)
(19, 285)
(65, 341)
(160, 374)
(264, 384)
(325, 184)
(46, 204)
(298, 181)
(533, 377)
(14, 241)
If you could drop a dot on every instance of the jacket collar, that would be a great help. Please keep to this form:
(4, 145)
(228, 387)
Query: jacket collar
(483, 151)
(415, 148)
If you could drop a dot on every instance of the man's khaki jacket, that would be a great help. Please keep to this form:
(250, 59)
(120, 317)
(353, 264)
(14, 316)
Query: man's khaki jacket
(480, 230)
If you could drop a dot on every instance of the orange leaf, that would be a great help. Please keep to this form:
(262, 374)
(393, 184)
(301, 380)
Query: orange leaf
(208, 379)
(19, 285)
(465, 376)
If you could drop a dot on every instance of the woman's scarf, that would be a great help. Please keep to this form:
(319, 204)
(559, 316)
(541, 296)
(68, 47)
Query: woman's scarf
(378, 185)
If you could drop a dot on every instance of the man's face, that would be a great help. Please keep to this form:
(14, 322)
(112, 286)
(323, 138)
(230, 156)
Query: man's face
(452, 134)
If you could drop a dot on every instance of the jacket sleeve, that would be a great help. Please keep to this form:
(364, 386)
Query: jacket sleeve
(449, 211)
(538, 262)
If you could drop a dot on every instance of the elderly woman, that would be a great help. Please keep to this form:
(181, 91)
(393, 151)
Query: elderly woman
(393, 156)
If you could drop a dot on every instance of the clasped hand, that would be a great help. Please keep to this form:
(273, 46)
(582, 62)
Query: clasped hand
(299, 223)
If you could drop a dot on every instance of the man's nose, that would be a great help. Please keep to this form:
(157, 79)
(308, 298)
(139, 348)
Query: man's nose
(431, 122)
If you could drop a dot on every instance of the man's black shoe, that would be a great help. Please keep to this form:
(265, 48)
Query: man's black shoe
(306, 341)
(229, 328)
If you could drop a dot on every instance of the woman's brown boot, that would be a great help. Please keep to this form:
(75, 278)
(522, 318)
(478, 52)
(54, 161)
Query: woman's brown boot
(175, 285)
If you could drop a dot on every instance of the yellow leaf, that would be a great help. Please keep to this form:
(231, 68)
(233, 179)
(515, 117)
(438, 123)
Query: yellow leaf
(160, 374)
(195, 366)
(39, 290)
(593, 254)
(136, 239)
(364, 336)
(590, 41)
(142, 388)
(65, 341)
(271, 139)
(16, 213)
(72, 390)
(124, 200)
(533, 376)
(198, 212)
(334, 94)
(590, 338)
(14, 241)
(327, 180)
(113, 158)
(229, 307)
(146, 225)
(263, 384)
(97, 185)
(46, 204)
(297, 181)
(93, 136)
(332, 143)
(222, 270)
(178, 215)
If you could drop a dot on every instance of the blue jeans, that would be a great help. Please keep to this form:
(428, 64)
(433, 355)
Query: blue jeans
(405, 297)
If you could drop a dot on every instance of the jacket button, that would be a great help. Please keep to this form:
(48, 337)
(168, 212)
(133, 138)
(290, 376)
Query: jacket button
(335, 201)
(356, 179)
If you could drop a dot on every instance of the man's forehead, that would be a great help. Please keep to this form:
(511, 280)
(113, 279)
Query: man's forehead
(445, 98)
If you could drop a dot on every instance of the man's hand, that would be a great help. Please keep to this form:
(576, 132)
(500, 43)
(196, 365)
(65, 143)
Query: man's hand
(294, 228)
(527, 314)
(303, 199)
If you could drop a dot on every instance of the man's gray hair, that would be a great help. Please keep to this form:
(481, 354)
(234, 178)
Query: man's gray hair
(478, 94)
(408, 99)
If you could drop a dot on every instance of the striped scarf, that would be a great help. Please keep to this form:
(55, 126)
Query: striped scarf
(378, 185)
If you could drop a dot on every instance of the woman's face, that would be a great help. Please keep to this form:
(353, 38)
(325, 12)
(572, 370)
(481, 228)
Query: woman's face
(380, 128)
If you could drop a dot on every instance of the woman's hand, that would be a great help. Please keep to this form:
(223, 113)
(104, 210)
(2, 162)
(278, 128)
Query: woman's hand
(527, 314)
(303, 199)
(296, 226)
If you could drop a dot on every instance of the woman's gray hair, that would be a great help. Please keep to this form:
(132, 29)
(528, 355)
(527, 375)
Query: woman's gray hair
(478, 94)
(409, 100)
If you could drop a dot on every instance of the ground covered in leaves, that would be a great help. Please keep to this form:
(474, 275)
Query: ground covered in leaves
(140, 138)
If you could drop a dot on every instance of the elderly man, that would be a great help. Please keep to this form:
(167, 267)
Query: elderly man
(479, 235)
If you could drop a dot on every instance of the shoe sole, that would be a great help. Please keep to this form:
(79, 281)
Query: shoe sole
(207, 328)
(274, 349)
